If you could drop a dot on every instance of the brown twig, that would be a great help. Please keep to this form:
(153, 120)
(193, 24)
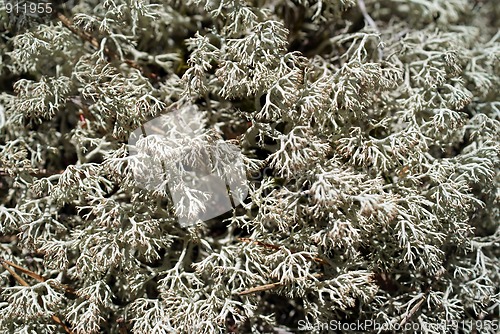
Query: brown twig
(413, 310)
(37, 277)
(96, 44)
(271, 286)
(7, 265)
(260, 288)
(25, 271)
(419, 304)
(267, 287)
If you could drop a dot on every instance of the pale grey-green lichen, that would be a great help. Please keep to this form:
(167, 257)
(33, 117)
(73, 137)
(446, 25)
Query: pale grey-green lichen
(369, 130)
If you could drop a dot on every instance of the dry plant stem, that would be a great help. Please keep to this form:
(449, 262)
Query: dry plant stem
(260, 288)
(37, 277)
(6, 264)
(267, 287)
(95, 43)
(418, 305)
(25, 271)
(13, 273)
(413, 310)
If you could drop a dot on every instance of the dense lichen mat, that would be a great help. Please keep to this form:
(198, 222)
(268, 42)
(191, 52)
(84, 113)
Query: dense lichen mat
(259, 166)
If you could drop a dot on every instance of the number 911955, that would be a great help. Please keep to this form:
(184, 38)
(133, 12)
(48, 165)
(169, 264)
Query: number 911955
(29, 8)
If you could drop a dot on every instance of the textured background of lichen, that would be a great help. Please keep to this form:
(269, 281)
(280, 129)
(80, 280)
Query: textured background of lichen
(370, 131)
